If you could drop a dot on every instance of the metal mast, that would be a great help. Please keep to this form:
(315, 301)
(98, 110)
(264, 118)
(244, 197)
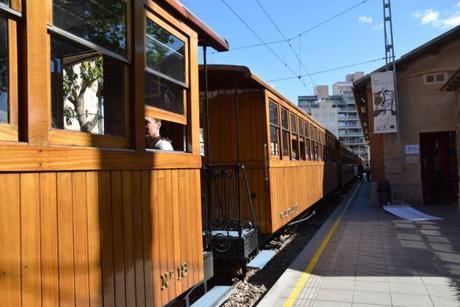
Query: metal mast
(390, 64)
(388, 29)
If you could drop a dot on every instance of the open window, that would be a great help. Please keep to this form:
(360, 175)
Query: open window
(285, 131)
(274, 129)
(294, 138)
(167, 85)
(89, 73)
(302, 139)
(9, 18)
(308, 142)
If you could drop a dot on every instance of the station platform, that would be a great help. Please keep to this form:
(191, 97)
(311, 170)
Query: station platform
(364, 256)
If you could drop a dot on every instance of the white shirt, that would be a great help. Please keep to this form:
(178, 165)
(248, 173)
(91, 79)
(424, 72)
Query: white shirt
(162, 144)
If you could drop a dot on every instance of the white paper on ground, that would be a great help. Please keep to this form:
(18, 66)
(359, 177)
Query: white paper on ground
(408, 213)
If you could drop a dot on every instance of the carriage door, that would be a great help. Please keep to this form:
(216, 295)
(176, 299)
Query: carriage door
(438, 166)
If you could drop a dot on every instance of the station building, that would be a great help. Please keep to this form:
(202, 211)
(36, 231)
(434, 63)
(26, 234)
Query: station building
(420, 161)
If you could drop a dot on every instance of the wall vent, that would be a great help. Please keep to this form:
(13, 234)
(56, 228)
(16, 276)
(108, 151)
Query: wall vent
(435, 78)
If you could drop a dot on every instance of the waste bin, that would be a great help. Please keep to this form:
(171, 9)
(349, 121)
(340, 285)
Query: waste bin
(384, 190)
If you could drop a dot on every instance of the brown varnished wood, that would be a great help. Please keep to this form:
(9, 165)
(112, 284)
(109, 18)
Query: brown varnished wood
(80, 238)
(30, 240)
(10, 240)
(20, 157)
(37, 61)
(49, 239)
(94, 239)
(66, 262)
(128, 237)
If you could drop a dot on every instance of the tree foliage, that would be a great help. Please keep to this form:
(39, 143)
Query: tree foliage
(78, 79)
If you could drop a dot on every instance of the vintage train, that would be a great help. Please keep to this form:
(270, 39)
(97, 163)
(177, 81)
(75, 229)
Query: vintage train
(266, 160)
(92, 215)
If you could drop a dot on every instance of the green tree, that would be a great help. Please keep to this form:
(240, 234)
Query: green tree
(76, 83)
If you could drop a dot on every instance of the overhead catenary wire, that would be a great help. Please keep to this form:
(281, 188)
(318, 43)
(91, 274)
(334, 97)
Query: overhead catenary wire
(267, 46)
(287, 41)
(314, 27)
(328, 70)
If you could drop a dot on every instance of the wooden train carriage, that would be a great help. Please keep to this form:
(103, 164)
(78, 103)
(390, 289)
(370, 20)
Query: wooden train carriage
(88, 216)
(348, 164)
(289, 158)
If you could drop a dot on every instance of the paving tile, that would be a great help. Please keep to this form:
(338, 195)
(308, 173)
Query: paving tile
(408, 288)
(442, 290)
(367, 297)
(338, 284)
(410, 300)
(318, 303)
(335, 295)
(443, 301)
(368, 305)
(405, 279)
(372, 286)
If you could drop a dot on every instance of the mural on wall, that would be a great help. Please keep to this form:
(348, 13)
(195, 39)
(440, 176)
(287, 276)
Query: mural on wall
(384, 102)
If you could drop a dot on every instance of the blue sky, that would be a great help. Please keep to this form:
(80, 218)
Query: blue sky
(356, 36)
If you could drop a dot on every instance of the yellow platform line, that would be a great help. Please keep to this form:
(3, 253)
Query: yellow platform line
(314, 260)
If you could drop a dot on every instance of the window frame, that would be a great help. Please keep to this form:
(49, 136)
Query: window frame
(57, 136)
(175, 29)
(302, 138)
(278, 129)
(294, 135)
(287, 130)
(11, 13)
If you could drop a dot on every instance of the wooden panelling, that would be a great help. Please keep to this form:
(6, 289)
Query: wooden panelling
(293, 190)
(10, 239)
(23, 158)
(93, 238)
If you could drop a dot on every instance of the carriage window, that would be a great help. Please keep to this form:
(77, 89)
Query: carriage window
(274, 129)
(165, 82)
(308, 142)
(294, 138)
(302, 139)
(88, 82)
(285, 134)
(101, 22)
(4, 118)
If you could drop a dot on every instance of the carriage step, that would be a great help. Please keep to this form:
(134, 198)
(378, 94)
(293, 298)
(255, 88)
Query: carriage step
(214, 297)
(261, 259)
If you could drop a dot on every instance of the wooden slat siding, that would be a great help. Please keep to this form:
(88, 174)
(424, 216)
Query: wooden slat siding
(30, 240)
(138, 237)
(150, 293)
(155, 238)
(164, 232)
(127, 184)
(117, 232)
(188, 217)
(177, 238)
(94, 239)
(198, 225)
(80, 238)
(49, 239)
(182, 200)
(10, 240)
(108, 282)
(166, 229)
(65, 239)
(193, 227)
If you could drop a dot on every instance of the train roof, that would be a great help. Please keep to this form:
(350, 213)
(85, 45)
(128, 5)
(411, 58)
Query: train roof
(206, 36)
(222, 74)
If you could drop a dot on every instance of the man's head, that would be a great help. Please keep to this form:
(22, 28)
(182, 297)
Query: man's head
(152, 127)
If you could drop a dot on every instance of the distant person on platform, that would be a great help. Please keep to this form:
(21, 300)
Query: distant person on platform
(368, 174)
(360, 172)
(153, 139)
